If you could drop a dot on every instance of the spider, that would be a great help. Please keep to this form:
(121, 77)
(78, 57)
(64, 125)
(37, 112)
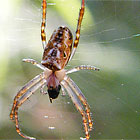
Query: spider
(57, 53)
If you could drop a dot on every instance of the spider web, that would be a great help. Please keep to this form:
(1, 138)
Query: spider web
(110, 40)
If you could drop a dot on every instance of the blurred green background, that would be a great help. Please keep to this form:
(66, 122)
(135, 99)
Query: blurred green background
(110, 40)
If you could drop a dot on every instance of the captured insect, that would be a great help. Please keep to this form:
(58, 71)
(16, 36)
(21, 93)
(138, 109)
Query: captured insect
(58, 51)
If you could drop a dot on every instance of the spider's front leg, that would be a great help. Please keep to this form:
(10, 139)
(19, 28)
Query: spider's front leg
(78, 91)
(27, 87)
(78, 105)
(22, 96)
(82, 98)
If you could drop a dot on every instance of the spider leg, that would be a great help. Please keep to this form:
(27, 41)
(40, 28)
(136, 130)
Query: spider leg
(17, 126)
(82, 67)
(21, 100)
(34, 62)
(76, 41)
(78, 105)
(43, 25)
(42, 90)
(63, 91)
(27, 87)
(82, 98)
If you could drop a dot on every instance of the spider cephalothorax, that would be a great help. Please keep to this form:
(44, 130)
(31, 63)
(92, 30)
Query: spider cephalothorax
(53, 83)
(57, 53)
(53, 87)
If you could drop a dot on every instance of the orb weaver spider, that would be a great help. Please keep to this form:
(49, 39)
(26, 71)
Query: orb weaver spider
(57, 53)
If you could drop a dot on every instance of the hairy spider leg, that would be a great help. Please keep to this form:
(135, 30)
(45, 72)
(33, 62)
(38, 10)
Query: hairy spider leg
(21, 100)
(82, 67)
(78, 91)
(25, 89)
(82, 98)
(63, 91)
(34, 62)
(76, 41)
(42, 91)
(43, 24)
(78, 106)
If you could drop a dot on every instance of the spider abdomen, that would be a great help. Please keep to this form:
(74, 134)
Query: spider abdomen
(57, 51)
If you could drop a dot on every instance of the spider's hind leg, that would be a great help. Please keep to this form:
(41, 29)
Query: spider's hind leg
(76, 41)
(43, 24)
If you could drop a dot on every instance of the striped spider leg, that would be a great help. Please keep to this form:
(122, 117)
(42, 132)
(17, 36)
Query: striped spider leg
(39, 65)
(63, 91)
(22, 96)
(74, 92)
(76, 41)
(82, 67)
(43, 24)
(77, 104)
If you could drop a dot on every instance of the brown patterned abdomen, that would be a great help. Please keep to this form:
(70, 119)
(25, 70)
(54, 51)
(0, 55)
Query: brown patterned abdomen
(58, 50)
